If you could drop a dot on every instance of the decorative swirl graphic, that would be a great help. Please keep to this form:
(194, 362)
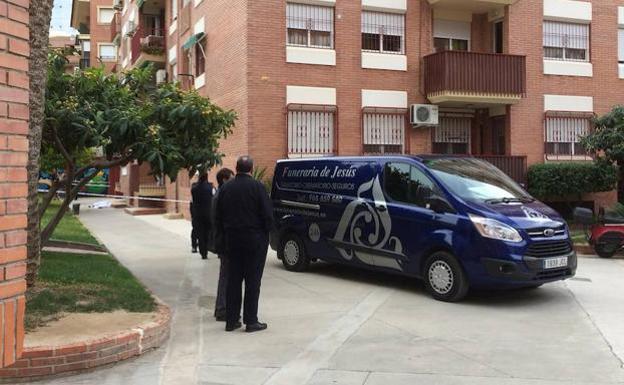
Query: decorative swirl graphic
(365, 226)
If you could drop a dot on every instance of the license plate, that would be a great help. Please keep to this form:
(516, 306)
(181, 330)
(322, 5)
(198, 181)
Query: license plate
(553, 263)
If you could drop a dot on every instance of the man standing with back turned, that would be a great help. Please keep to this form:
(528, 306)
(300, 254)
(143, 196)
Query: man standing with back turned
(244, 213)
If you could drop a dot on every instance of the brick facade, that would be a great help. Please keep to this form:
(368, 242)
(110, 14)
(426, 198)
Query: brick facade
(14, 53)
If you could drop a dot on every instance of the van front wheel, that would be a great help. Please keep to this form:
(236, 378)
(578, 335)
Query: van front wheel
(444, 277)
(293, 253)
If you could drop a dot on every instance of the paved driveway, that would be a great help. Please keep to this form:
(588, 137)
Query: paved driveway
(336, 325)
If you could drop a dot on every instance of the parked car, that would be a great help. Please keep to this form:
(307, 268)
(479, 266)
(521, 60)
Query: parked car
(454, 222)
(604, 233)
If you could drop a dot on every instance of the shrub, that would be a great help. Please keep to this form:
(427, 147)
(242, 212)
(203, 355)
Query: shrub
(570, 180)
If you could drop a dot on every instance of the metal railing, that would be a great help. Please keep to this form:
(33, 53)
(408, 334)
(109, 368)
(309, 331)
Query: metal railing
(513, 165)
(148, 40)
(472, 72)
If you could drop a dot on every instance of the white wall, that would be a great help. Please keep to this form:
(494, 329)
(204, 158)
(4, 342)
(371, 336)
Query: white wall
(568, 103)
(385, 5)
(387, 99)
(200, 26)
(384, 61)
(568, 68)
(307, 55)
(173, 54)
(568, 10)
(310, 95)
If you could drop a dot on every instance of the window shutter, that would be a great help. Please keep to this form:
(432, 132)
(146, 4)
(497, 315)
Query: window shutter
(621, 45)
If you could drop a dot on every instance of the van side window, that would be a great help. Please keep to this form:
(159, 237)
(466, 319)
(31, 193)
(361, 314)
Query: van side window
(405, 183)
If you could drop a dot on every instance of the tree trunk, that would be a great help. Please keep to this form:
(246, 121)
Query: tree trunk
(40, 13)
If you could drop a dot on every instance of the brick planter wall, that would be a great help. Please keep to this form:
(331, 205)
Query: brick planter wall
(51, 361)
(14, 53)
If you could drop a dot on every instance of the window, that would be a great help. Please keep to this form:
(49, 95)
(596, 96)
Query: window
(174, 10)
(383, 32)
(310, 25)
(383, 133)
(311, 131)
(452, 135)
(407, 184)
(174, 72)
(107, 52)
(449, 44)
(563, 134)
(200, 57)
(566, 41)
(498, 32)
(105, 15)
(621, 45)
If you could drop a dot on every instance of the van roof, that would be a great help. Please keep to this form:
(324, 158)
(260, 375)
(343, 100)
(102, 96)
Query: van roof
(419, 158)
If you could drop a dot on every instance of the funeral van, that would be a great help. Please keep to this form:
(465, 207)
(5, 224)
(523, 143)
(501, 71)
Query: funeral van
(454, 222)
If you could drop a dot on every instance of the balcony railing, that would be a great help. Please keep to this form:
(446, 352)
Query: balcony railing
(469, 76)
(115, 26)
(151, 41)
(514, 166)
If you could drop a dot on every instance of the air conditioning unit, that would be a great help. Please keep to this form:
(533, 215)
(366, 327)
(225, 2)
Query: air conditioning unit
(424, 115)
(161, 76)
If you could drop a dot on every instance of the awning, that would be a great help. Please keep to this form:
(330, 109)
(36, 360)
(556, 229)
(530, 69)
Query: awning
(139, 3)
(193, 40)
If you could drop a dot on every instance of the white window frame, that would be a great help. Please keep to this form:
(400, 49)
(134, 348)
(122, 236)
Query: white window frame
(567, 40)
(99, 14)
(621, 45)
(383, 21)
(107, 58)
(311, 18)
(442, 134)
(311, 131)
(383, 129)
(174, 10)
(565, 129)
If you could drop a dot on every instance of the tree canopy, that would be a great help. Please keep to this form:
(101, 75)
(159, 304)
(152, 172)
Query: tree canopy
(606, 141)
(124, 117)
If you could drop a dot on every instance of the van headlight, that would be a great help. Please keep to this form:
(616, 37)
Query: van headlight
(491, 228)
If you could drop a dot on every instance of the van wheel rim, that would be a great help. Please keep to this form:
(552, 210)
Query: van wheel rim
(441, 277)
(291, 252)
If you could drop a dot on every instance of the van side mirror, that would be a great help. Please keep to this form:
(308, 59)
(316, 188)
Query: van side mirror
(440, 205)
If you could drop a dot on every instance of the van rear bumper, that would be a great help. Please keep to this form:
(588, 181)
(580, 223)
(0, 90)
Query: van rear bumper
(530, 270)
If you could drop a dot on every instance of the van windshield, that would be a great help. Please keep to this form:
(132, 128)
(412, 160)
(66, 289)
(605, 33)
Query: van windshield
(477, 180)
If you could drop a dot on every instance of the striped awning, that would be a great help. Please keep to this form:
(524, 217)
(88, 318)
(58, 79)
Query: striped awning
(193, 40)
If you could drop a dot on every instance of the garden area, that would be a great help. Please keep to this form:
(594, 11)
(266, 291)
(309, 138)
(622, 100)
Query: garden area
(81, 282)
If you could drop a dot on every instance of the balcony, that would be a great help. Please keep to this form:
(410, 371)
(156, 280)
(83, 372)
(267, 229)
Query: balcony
(115, 27)
(148, 45)
(457, 78)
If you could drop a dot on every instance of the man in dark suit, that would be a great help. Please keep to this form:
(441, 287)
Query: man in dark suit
(202, 193)
(244, 212)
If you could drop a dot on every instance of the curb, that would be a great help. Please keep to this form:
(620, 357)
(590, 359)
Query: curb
(44, 362)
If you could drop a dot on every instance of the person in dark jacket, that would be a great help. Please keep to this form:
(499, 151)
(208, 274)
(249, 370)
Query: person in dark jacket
(194, 225)
(202, 203)
(244, 213)
(218, 244)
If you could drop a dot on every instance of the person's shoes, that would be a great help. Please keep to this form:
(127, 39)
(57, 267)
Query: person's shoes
(220, 317)
(204, 257)
(255, 327)
(232, 327)
(194, 250)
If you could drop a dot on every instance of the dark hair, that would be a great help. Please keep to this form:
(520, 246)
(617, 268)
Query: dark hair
(223, 174)
(244, 164)
(203, 177)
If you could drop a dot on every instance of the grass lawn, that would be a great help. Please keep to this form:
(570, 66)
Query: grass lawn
(81, 283)
(69, 229)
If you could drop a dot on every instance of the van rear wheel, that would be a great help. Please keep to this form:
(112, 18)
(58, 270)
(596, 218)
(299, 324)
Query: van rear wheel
(444, 277)
(292, 253)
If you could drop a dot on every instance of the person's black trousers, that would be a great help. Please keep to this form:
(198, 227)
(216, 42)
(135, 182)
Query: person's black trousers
(247, 252)
(194, 236)
(222, 286)
(203, 235)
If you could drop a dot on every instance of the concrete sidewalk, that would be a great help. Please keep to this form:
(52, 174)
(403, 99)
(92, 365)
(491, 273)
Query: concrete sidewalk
(337, 325)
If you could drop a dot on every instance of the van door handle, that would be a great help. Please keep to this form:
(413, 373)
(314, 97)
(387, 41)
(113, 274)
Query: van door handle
(381, 208)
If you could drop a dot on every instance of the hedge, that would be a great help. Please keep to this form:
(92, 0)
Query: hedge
(570, 179)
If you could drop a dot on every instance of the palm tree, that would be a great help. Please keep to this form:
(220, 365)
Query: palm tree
(40, 13)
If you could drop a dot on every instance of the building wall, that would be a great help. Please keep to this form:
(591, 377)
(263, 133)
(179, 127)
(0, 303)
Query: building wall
(100, 33)
(14, 53)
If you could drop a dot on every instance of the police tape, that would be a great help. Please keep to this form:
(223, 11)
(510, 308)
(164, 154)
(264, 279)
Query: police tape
(121, 197)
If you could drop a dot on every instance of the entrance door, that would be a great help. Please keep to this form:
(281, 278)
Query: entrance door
(498, 36)
(498, 135)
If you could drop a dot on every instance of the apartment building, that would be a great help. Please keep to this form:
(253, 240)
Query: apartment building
(515, 81)
(93, 20)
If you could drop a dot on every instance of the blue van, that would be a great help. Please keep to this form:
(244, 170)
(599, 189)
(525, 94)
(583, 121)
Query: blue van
(454, 222)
